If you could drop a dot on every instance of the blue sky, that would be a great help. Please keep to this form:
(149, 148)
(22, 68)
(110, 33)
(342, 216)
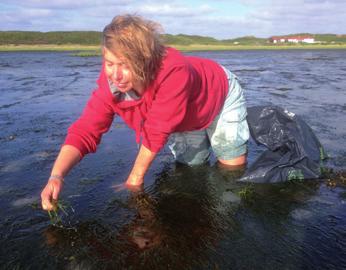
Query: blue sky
(221, 19)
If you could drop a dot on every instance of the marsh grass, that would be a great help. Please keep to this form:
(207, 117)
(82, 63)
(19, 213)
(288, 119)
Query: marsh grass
(60, 209)
(48, 47)
(207, 47)
(95, 50)
(247, 193)
(87, 53)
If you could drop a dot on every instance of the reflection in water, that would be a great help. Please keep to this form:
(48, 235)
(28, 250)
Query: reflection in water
(199, 218)
(173, 224)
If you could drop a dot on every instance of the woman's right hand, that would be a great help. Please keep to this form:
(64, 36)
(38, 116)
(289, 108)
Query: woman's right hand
(67, 158)
(50, 194)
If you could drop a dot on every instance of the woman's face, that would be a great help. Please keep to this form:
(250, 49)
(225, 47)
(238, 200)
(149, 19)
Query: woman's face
(118, 71)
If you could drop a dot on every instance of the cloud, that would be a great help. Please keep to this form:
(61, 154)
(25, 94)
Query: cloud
(36, 15)
(30, 13)
(169, 10)
(25, 18)
(319, 16)
(65, 4)
(221, 19)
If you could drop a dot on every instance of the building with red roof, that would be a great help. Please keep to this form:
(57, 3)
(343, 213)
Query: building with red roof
(292, 39)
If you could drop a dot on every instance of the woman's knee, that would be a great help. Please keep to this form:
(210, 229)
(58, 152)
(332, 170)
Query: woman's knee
(237, 161)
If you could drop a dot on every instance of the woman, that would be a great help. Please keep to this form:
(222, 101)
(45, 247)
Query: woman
(161, 94)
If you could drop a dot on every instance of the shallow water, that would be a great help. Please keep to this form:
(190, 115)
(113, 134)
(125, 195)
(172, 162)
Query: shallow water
(185, 218)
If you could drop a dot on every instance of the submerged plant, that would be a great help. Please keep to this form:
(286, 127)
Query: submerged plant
(343, 195)
(87, 54)
(247, 193)
(54, 216)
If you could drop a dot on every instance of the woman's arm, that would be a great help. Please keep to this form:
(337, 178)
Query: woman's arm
(167, 111)
(68, 157)
(141, 166)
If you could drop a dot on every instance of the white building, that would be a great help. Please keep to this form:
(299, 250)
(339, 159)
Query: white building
(293, 39)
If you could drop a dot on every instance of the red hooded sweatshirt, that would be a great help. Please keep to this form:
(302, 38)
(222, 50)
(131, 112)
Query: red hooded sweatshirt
(186, 95)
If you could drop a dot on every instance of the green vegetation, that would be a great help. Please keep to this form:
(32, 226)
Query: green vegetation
(198, 47)
(87, 51)
(89, 42)
(249, 40)
(247, 192)
(188, 40)
(54, 215)
(56, 38)
(49, 47)
(331, 38)
(343, 195)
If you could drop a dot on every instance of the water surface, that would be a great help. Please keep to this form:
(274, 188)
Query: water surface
(185, 218)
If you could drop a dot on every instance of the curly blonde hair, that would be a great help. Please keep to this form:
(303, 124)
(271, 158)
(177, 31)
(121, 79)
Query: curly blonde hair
(138, 41)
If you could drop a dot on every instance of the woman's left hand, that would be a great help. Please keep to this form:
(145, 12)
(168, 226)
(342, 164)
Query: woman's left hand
(134, 185)
(134, 180)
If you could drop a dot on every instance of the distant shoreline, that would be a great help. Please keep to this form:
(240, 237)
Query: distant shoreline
(87, 50)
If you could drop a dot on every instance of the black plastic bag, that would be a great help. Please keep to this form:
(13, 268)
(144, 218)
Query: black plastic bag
(294, 152)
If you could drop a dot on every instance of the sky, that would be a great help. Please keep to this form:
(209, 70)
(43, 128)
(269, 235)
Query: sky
(221, 19)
